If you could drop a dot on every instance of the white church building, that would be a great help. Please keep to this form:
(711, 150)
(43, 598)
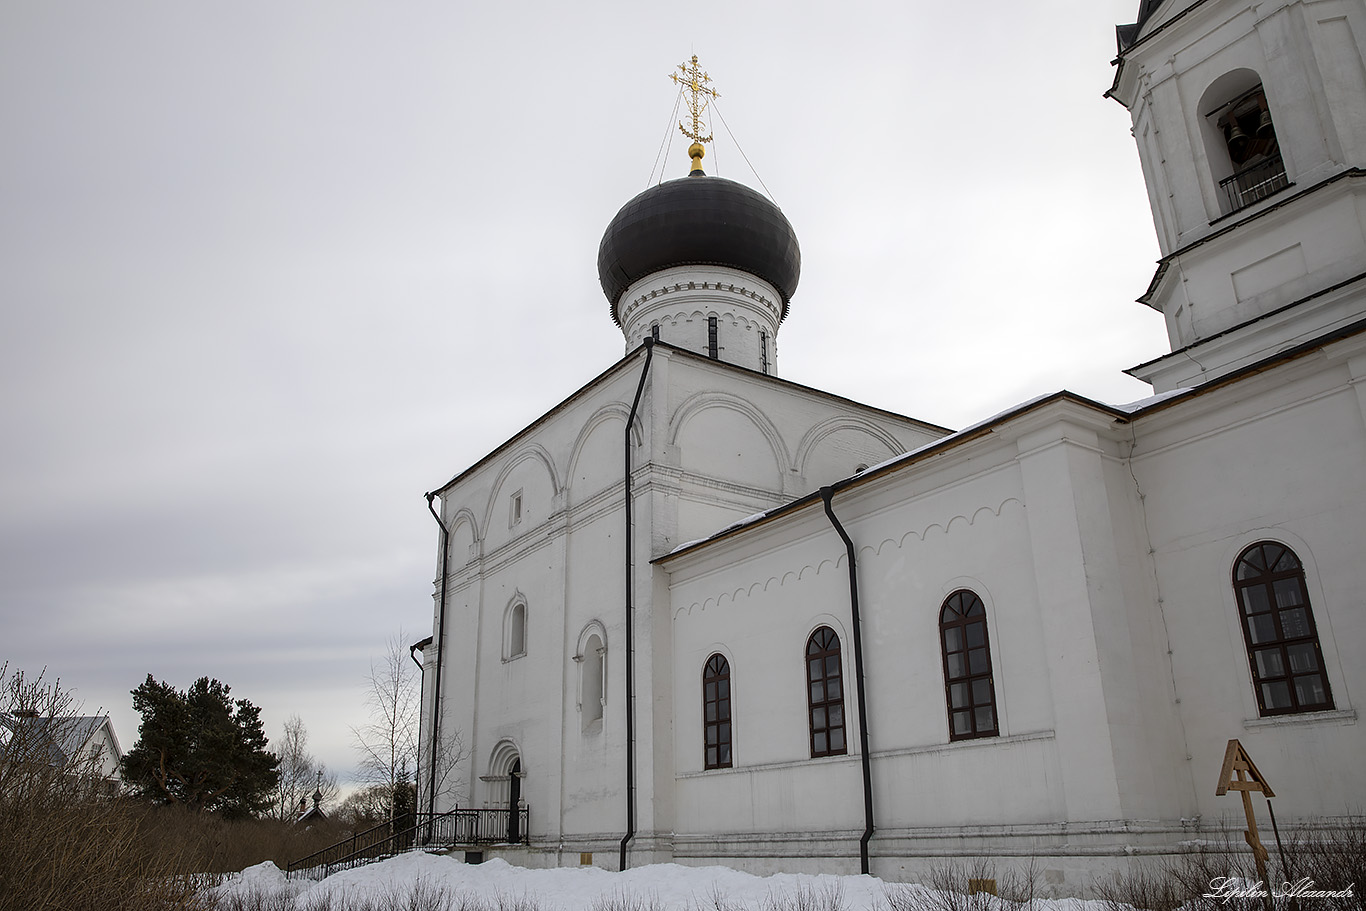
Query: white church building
(701, 613)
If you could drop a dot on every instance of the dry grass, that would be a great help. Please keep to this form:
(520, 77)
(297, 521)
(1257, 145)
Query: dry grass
(949, 887)
(1333, 858)
(807, 898)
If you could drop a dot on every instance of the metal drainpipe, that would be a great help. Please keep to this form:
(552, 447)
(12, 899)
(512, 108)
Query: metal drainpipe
(826, 494)
(440, 641)
(630, 628)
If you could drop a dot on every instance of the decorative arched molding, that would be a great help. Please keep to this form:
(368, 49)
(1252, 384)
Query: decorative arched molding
(946, 526)
(612, 411)
(824, 619)
(593, 626)
(463, 516)
(973, 584)
(737, 319)
(515, 628)
(762, 296)
(702, 401)
(497, 781)
(820, 431)
(501, 759)
(529, 452)
(801, 572)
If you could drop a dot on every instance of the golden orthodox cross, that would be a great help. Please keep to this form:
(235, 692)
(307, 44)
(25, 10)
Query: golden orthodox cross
(695, 83)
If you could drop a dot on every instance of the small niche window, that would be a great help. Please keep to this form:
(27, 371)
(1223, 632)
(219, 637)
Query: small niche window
(825, 693)
(515, 509)
(654, 332)
(763, 350)
(592, 661)
(1278, 628)
(514, 630)
(711, 337)
(716, 711)
(968, 686)
(1247, 134)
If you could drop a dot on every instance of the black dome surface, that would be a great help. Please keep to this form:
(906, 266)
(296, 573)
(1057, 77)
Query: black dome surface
(699, 221)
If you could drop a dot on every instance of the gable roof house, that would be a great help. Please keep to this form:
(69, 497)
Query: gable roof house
(76, 744)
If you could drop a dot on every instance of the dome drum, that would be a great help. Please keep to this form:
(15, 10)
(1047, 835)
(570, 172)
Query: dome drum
(681, 302)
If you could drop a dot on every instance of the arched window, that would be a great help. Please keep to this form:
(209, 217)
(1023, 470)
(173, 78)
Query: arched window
(716, 711)
(514, 630)
(825, 693)
(592, 661)
(968, 686)
(1278, 627)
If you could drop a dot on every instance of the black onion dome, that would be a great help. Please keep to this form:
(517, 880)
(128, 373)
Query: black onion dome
(699, 221)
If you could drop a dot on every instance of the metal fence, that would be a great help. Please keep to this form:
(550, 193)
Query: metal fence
(419, 831)
(1254, 183)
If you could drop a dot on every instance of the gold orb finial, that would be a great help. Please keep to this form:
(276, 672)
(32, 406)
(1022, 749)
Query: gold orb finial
(695, 152)
(695, 84)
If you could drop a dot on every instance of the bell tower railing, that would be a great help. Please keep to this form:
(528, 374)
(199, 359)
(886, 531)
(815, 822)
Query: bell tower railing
(1254, 183)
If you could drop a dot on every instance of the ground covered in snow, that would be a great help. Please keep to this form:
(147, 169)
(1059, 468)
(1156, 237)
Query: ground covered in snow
(444, 882)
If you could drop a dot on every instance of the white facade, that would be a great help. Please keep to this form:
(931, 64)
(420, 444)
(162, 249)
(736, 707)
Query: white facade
(1102, 544)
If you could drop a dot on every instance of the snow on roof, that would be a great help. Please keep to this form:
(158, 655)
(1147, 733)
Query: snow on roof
(1135, 407)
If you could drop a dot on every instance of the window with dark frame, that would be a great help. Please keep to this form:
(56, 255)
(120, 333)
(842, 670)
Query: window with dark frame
(763, 349)
(825, 693)
(1278, 627)
(716, 712)
(711, 337)
(968, 687)
(654, 332)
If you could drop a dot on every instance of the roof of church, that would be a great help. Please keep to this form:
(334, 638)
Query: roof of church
(1127, 34)
(1121, 413)
(714, 364)
(699, 221)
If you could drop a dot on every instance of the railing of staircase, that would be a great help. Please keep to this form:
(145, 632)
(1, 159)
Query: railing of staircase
(418, 831)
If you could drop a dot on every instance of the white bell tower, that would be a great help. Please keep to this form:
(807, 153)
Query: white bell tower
(1250, 119)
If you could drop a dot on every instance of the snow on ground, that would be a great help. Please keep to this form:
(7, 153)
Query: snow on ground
(665, 887)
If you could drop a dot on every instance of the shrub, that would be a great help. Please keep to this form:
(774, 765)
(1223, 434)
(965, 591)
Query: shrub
(66, 843)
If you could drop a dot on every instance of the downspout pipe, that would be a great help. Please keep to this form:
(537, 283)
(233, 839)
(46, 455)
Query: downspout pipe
(412, 653)
(630, 625)
(827, 494)
(440, 637)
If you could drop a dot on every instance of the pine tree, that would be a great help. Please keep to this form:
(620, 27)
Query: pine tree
(200, 748)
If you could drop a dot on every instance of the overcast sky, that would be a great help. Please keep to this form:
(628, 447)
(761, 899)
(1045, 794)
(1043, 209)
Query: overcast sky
(270, 271)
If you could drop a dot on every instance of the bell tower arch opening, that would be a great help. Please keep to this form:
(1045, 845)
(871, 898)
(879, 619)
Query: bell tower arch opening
(1240, 141)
